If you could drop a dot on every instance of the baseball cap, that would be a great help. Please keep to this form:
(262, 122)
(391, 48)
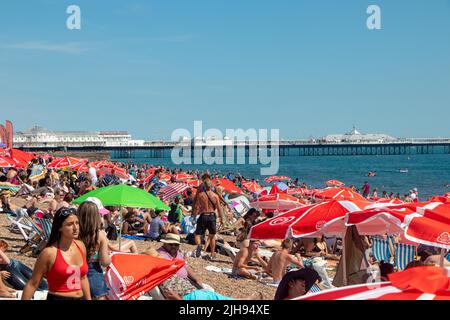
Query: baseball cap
(102, 210)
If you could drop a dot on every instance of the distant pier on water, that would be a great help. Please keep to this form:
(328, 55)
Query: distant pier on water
(121, 145)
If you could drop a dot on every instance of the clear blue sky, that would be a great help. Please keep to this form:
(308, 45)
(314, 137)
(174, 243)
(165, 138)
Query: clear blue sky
(149, 67)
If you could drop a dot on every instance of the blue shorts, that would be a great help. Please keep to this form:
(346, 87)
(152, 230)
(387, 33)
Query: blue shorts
(205, 295)
(97, 283)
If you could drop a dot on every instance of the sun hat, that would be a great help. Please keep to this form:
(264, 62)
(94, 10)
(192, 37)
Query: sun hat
(5, 192)
(171, 238)
(309, 275)
(102, 210)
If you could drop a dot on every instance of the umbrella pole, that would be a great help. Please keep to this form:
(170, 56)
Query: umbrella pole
(120, 228)
(343, 257)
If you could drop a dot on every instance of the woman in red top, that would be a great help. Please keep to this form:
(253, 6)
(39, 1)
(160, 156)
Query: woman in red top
(63, 261)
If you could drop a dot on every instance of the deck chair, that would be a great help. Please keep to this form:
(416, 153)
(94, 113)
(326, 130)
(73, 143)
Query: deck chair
(380, 249)
(404, 254)
(314, 289)
(46, 225)
(22, 224)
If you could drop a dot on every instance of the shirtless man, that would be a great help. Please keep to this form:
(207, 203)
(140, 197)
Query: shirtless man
(240, 265)
(280, 260)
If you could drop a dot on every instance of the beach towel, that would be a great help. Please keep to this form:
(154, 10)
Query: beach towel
(218, 270)
(135, 237)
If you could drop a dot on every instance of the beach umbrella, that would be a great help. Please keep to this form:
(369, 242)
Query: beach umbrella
(6, 162)
(227, 185)
(114, 170)
(252, 186)
(21, 158)
(182, 176)
(193, 182)
(124, 196)
(381, 220)
(165, 177)
(309, 221)
(281, 186)
(80, 167)
(430, 225)
(382, 202)
(65, 162)
(424, 223)
(418, 283)
(277, 178)
(277, 201)
(301, 191)
(131, 275)
(171, 190)
(341, 193)
(336, 183)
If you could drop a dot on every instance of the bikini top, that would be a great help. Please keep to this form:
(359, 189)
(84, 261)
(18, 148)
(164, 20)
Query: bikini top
(63, 277)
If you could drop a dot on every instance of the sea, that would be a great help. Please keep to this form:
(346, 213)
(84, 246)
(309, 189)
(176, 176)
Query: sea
(429, 173)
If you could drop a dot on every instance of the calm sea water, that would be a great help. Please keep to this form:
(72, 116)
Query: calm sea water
(429, 173)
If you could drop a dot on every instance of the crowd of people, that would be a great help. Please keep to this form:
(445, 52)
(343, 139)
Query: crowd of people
(82, 236)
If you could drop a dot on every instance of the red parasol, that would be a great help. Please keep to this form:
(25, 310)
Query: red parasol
(277, 201)
(276, 178)
(342, 193)
(336, 183)
(308, 221)
(252, 186)
(419, 283)
(229, 186)
(131, 275)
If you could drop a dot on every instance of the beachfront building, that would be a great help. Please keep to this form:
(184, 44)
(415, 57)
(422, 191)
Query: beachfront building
(38, 137)
(354, 136)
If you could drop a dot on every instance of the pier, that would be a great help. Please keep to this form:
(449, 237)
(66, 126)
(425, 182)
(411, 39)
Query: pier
(286, 148)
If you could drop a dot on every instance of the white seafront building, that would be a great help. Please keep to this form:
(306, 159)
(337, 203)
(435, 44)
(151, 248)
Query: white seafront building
(39, 137)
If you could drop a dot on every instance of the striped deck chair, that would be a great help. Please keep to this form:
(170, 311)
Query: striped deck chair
(404, 254)
(314, 289)
(380, 249)
(46, 225)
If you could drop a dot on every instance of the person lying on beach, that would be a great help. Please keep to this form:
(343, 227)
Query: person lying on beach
(281, 260)
(14, 272)
(241, 265)
(176, 288)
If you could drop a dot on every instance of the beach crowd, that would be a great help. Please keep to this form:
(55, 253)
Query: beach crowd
(216, 213)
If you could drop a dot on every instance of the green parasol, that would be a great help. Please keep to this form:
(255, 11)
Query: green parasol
(124, 196)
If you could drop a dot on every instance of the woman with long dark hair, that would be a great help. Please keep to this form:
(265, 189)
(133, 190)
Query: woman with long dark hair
(63, 261)
(96, 242)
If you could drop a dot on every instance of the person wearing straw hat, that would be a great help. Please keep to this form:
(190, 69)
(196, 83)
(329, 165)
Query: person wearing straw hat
(171, 250)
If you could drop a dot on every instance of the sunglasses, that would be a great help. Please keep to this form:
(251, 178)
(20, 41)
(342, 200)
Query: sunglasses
(64, 212)
(173, 244)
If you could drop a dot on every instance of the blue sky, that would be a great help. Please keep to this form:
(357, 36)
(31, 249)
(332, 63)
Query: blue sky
(308, 68)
